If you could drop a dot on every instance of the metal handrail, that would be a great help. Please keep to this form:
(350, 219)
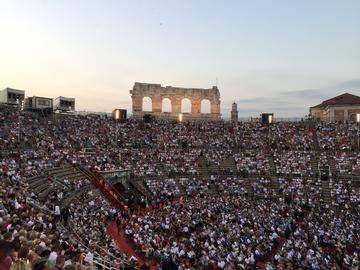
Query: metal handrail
(39, 207)
(122, 263)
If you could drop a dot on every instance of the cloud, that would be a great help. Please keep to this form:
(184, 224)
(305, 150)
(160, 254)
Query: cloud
(253, 100)
(350, 85)
(294, 102)
(262, 102)
(324, 93)
(290, 111)
(305, 93)
(287, 109)
(248, 110)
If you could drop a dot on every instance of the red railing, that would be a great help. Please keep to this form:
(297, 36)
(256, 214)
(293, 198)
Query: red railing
(99, 182)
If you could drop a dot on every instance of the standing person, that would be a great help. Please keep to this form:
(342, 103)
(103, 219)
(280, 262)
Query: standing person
(118, 224)
(57, 213)
(65, 215)
(5, 259)
(60, 261)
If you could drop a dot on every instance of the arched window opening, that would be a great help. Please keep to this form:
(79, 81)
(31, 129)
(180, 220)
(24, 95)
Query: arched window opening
(166, 105)
(185, 105)
(147, 104)
(205, 106)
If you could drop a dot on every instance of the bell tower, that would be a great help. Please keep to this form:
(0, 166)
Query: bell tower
(234, 113)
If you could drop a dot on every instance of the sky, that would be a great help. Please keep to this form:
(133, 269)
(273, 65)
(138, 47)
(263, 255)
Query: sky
(268, 56)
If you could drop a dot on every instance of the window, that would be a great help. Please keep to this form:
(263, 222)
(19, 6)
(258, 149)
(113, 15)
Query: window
(185, 105)
(43, 102)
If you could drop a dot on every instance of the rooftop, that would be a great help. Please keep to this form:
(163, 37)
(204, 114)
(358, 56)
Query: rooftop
(344, 99)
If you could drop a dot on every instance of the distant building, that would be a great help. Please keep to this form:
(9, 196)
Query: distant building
(39, 103)
(64, 104)
(234, 113)
(12, 96)
(340, 108)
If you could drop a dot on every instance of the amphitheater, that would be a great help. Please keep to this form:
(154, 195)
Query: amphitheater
(85, 192)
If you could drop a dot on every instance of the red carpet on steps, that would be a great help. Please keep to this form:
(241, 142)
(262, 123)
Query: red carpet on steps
(124, 246)
(122, 243)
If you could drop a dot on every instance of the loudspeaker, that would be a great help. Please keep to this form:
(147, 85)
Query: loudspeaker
(123, 114)
(119, 114)
(267, 118)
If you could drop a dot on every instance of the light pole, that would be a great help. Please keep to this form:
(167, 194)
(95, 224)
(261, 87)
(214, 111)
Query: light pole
(180, 117)
(270, 121)
(358, 129)
(21, 108)
(116, 117)
(270, 118)
(180, 120)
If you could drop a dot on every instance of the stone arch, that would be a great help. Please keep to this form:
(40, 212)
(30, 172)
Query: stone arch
(186, 105)
(155, 93)
(147, 104)
(205, 106)
(166, 105)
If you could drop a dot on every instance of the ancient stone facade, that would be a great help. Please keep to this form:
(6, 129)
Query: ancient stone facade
(176, 94)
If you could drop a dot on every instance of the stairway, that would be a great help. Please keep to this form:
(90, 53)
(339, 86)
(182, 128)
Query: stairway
(139, 186)
(123, 244)
(203, 166)
(181, 185)
(114, 197)
(326, 191)
(316, 144)
(333, 170)
(272, 165)
(314, 166)
(276, 186)
(133, 191)
(248, 187)
(356, 181)
(42, 186)
(212, 189)
(229, 164)
(75, 194)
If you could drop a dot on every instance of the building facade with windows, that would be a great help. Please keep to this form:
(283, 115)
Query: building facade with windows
(39, 103)
(12, 96)
(340, 108)
(64, 104)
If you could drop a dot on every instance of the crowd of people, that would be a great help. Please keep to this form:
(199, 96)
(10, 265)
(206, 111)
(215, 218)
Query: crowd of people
(296, 163)
(205, 231)
(252, 162)
(269, 210)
